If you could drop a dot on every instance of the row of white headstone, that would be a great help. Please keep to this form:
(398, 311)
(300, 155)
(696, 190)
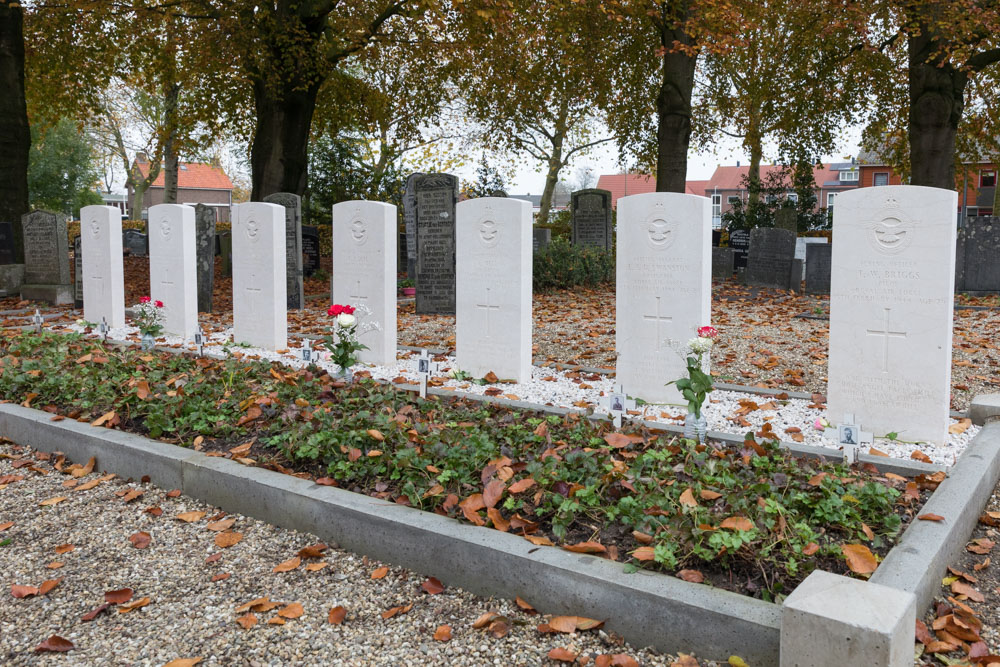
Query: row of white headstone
(891, 297)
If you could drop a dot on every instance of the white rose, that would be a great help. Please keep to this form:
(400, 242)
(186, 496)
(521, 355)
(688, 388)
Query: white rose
(346, 320)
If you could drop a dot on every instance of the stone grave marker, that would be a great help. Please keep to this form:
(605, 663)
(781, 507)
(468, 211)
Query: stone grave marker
(205, 242)
(891, 308)
(78, 272)
(103, 270)
(8, 250)
(590, 218)
(436, 195)
(723, 263)
(977, 270)
(310, 250)
(293, 245)
(664, 287)
(493, 322)
(173, 266)
(46, 258)
(11, 273)
(787, 218)
(136, 242)
(541, 237)
(226, 252)
(260, 305)
(818, 268)
(770, 260)
(739, 241)
(410, 223)
(802, 244)
(364, 260)
(716, 237)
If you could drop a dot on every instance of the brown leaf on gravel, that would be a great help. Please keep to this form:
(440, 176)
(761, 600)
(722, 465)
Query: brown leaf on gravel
(962, 588)
(314, 567)
(443, 633)
(484, 620)
(48, 585)
(23, 591)
(227, 539)
(189, 517)
(288, 565)
(55, 565)
(402, 609)
(91, 615)
(214, 557)
(260, 604)
(982, 566)
(432, 586)
(570, 624)
(121, 596)
(277, 620)
(155, 511)
(981, 546)
(183, 662)
(694, 576)
(219, 526)
(292, 610)
(498, 628)
(55, 644)
(140, 540)
(860, 559)
(173, 494)
(311, 552)
(53, 501)
(380, 573)
(103, 419)
(247, 621)
(625, 660)
(87, 469)
(64, 548)
(562, 655)
(220, 577)
(931, 517)
(918, 455)
(135, 605)
(493, 492)
(337, 615)
(922, 634)
(5, 526)
(524, 605)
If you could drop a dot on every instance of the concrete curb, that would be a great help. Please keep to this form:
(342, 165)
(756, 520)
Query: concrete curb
(647, 608)
(918, 561)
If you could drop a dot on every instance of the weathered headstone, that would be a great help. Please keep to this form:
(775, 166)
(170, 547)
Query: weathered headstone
(293, 245)
(818, 268)
(136, 242)
(364, 261)
(716, 237)
(590, 218)
(770, 260)
(664, 288)
(436, 196)
(260, 305)
(226, 253)
(722, 263)
(173, 270)
(891, 307)
(310, 250)
(541, 237)
(205, 242)
(410, 223)
(801, 244)
(739, 241)
(977, 270)
(493, 319)
(46, 258)
(78, 272)
(787, 218)
(103, 270)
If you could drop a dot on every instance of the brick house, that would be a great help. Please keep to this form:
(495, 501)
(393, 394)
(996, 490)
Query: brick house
(976, 184)
(624, 185)
(197, 183)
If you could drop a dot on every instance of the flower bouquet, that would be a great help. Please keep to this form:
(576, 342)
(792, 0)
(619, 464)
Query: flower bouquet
(148, 316)
(342, 342)
(698, 384)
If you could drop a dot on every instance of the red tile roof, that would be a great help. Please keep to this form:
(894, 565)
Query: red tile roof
(192, 175)
(727, 177)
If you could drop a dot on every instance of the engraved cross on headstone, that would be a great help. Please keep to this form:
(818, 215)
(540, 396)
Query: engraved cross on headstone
(487, 307)
(850, 436)
(886, 334)
(359, 296)
(658, 319)
(425, 365)
(617, 403)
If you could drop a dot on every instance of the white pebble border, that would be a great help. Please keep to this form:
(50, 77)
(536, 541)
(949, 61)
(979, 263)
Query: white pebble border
(578, 389)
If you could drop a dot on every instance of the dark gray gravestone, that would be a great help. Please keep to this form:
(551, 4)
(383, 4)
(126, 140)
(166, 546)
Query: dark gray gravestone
(716, 237)
(410, 223)
(135, 242)
(226, 252)
(787, 218)
(204, 243)
(977, 265)
(770, 261)
(436, 196)
(46, 258)
(819, 267)
(722, 263)
(78, 271)
(310, 250)
(541, 237)
(739, 241)
(8, 250)
(293, 245)
(590, 218)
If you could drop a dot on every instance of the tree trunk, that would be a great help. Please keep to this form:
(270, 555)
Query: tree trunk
(279, 154)
(673, 112)
(936, 104)
(15, 134)
(137, 195)
(551, 176)
(170, 161)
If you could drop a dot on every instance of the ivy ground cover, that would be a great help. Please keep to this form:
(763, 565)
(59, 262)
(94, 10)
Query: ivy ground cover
(752, 519)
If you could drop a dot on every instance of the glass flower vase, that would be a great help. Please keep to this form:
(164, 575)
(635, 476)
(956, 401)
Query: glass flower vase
(695, 428)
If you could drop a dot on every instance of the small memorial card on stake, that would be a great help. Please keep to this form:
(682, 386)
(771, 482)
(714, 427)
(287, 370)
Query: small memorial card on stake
(102, 328)
(425, 366)
(37, 320)
(850, 437)
(617, 403)
(307, 353)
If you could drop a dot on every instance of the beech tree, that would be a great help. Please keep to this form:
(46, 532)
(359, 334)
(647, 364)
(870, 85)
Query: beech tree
(15, 134)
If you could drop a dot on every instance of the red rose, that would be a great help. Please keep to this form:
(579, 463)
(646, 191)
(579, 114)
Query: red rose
(349, 310)
(144, 299)
(707, 332)
(335, 309)
(158, 304)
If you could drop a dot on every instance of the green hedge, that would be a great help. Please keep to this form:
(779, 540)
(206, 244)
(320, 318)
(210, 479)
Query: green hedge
(562, 265)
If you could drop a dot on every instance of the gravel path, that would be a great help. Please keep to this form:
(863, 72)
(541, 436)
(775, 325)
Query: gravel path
(194, 587)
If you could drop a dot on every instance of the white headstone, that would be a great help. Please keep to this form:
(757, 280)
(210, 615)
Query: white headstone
(364, 272)
(260, 310)
(493, 287)
(172, 267)
(103, 270)
(891, 307)
(664, 288)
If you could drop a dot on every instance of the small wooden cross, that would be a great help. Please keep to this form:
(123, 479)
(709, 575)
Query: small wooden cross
(617, 403)
(37, 320)
(425, 365)
(850, 436)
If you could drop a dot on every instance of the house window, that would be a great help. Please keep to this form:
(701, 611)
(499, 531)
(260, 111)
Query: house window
(793, 197)
(881, 178)
(830, 196)
(987, 178)
(849, 176)
(733, 200)
(716, 211)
